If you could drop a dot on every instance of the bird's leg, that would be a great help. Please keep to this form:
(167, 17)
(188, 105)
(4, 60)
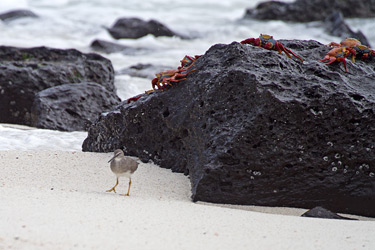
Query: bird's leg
(130, 183)
(113, 189)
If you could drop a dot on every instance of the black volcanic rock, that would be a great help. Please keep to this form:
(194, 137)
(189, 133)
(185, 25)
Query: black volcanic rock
(26, 71)
(136, 28)
(311, 10)
(251, 126)
(321, 212)
(71, 107)
(16, 14)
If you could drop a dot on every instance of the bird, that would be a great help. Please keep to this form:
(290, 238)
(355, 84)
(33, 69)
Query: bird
(122, 165)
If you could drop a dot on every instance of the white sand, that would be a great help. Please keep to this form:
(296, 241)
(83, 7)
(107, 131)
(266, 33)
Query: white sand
(57, 200)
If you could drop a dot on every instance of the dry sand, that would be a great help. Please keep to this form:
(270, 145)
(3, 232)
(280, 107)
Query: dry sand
(57, 200)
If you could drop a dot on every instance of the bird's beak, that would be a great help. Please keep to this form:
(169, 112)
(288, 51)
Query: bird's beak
(114, 157)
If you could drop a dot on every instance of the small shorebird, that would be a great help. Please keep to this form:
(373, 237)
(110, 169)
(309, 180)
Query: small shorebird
(122, 165)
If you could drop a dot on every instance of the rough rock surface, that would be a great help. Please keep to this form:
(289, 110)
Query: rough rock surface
(311, 10)
(16, 14)
(251, 126)
(71, 107)
(136, 28)
(321, 212)
(26, 71)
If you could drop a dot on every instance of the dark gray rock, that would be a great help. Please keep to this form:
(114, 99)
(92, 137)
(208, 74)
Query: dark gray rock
(143, 70)
(320, 212)
(251, 126)
(71, 107)
(335, 25)
(26, 71)
(108, 47)
(136, 28)
(271, 10)
(17, 14)
(111, 47)
(311, 10)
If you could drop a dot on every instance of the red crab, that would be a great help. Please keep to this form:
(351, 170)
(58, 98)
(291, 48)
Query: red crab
(348, 47)
(267, 42)
(338, 54)
(165, 78)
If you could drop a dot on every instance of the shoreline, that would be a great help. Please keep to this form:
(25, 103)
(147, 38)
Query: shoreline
(57, 199)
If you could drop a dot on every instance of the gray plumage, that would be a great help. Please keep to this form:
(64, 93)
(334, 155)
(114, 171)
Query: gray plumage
(122, 165)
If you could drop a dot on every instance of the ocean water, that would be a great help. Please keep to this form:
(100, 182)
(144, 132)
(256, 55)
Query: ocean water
(76, 23)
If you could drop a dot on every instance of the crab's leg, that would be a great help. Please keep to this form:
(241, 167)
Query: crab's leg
(342, 59)
(333, 44)
(326, 58)
(345, 65)
(252, 41)
(134, 98)
(288, 50)
(353, 53)
(157, 85)
(183, 74)
(179, 75)
(173, 78)
(331, 59)
(188, 67)
(334, 59)
(166, 81)
(154, 82)
(178, 80)
(279, 47)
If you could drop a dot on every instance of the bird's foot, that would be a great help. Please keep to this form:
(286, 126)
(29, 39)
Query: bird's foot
(124, 194)
(112, 189)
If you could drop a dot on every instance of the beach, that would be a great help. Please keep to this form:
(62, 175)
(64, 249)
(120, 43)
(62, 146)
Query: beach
(58, 200)
(53, 196)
